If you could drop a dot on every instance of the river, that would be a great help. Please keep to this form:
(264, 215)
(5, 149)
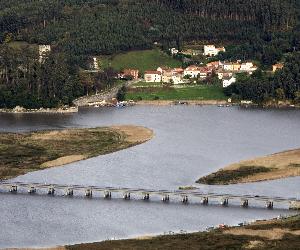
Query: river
(189, 142)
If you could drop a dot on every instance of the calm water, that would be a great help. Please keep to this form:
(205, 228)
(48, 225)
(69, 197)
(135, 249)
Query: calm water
(190, 141)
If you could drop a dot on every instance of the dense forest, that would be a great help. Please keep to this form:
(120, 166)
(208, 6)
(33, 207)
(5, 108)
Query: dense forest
(263, 30)
(262, 88)
(109, 26)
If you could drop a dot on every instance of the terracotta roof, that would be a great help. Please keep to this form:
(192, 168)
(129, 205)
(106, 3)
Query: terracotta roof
(152, 72)
(192, 68)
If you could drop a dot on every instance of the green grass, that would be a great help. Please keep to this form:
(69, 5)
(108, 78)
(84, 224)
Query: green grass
(142, 60)
(223, 177)
(196, 92)
(20, 45)
(147, 84)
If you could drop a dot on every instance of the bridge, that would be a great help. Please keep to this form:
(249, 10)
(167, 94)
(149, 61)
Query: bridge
(166, 195)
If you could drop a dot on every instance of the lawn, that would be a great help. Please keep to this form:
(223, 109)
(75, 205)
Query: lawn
(142, 60)
(147, 84)
(196, 92)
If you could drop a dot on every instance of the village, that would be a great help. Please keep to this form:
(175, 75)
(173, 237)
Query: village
(225, 71)
(193, 80)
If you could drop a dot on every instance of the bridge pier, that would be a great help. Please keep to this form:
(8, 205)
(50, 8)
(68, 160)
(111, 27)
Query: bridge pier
(69, 192)
(269, 204)
(13, 189)
(88, 192)
(32, 190)
(146, 197)
(51, 190)
(185, 199)
(107, 194)
(165, 198)
(126, 196)
(244, 203)
(204, 200)
(224, 201)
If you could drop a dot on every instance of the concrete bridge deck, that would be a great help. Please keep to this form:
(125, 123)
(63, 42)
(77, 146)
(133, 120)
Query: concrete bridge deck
(165, 195)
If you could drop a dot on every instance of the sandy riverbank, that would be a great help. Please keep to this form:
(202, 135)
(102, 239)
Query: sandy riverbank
(26, 152)
(275, 166)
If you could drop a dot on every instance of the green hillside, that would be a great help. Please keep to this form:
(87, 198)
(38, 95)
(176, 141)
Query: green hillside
(141, 60)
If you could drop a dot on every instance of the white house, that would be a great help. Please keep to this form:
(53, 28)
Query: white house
(95, 63)
(222, 74)
(43, 51)
(193, 71)
(211, 50)
(227, 82)
(248, 67)
(152, 76)
(230, 66)
(174, 51)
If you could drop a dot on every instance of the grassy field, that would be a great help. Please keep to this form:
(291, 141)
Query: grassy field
(276, 234)
(22, 153)
(196, 92)
(141, 60)
(147, 84)
(275, 166)
(20, 45)
(223, 177)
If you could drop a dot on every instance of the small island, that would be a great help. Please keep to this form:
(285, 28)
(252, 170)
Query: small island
(25, 152)
(275, 166)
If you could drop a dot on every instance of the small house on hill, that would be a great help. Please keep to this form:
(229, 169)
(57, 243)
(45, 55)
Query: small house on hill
(152, 76)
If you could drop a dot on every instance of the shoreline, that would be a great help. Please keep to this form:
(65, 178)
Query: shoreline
(270, 167)
(222, 103)
(261, 230)
(21, 110)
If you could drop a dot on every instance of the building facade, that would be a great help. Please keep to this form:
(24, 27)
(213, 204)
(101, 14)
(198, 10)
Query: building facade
(152, 76)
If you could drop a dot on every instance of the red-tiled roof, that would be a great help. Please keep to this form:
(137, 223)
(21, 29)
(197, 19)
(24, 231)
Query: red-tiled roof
(152, 72)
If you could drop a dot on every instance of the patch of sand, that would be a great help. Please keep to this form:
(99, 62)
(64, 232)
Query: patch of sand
(52, 135)
(271, 234)
(132, 134)
(145, 237)
(282, 165)
(254, 244)
(63, 160)
(135, 134)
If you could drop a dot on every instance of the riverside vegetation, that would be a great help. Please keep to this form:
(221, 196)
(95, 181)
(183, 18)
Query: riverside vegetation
(275, 166)
(24, 152)
(275, 234)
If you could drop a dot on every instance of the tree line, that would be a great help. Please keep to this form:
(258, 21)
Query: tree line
(55, 81)
(264, 30)
(262, 87)
(110, 26)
